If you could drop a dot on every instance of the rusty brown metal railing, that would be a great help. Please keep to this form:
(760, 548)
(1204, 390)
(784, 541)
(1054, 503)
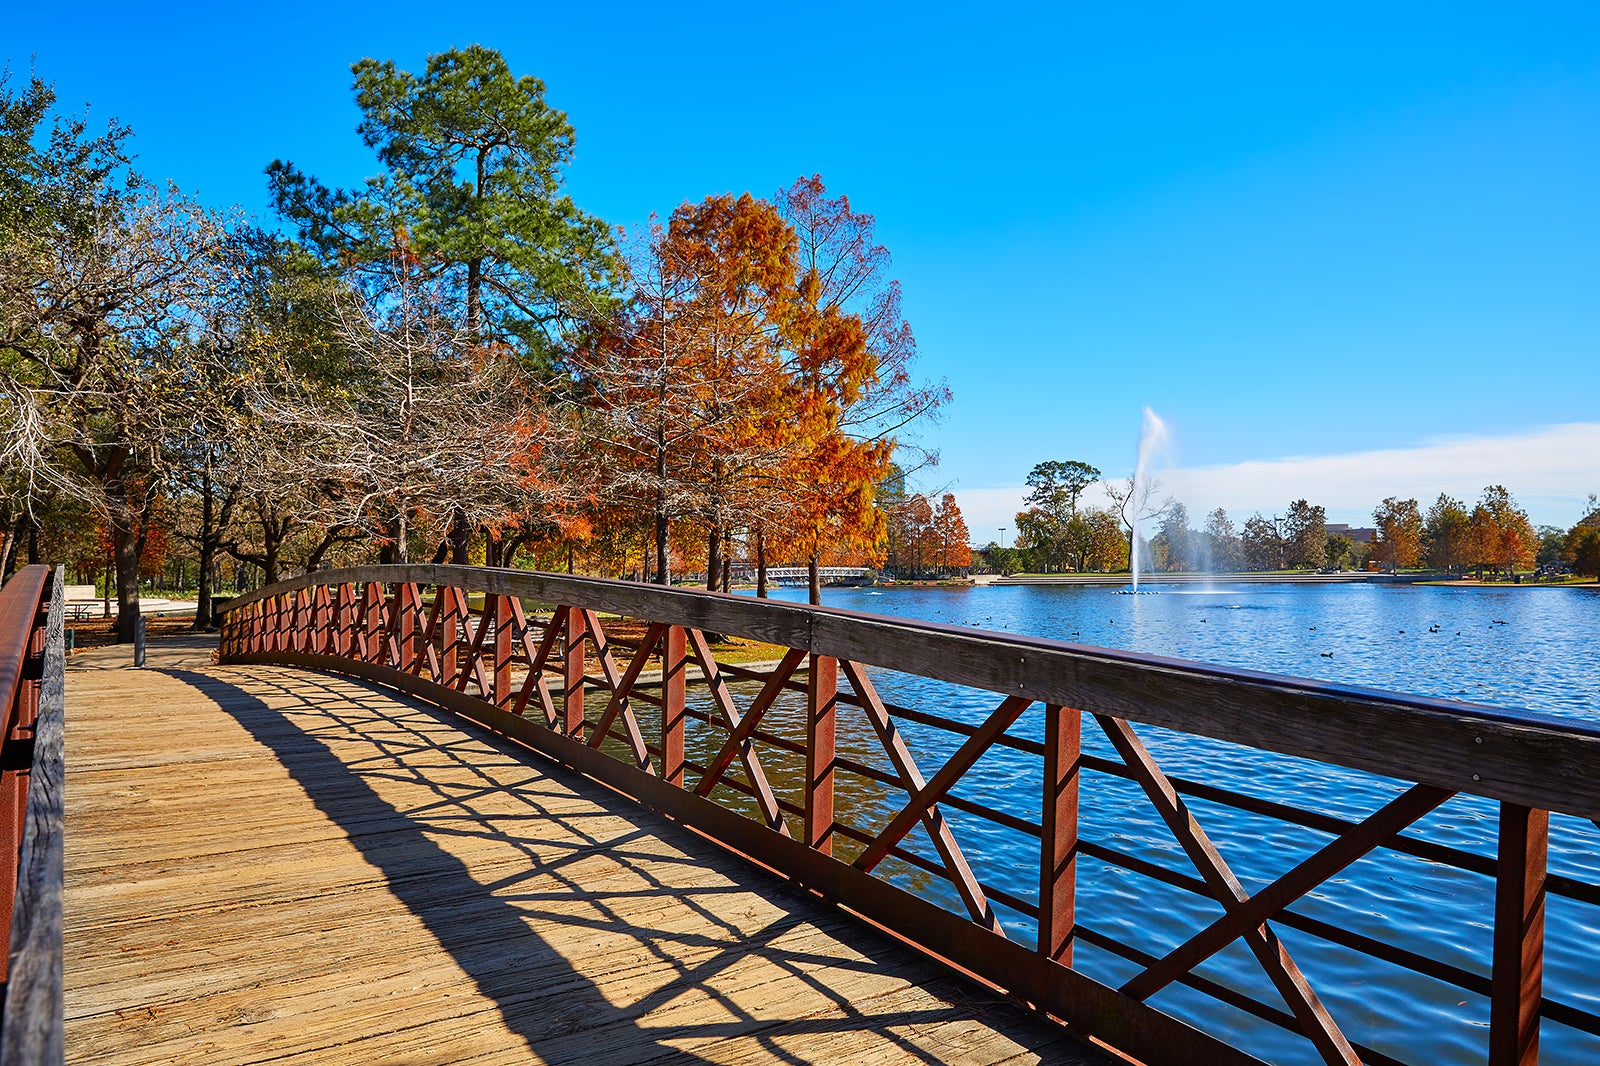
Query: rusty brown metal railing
(530, 675)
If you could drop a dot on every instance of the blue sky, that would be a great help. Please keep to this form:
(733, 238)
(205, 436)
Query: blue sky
(1300, 234)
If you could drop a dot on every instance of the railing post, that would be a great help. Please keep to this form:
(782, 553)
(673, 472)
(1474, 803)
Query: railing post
(368, 643)
(344, 618)
(822, 698)
(1516, 988)
(674, 663)
(1058, 851)
(296, 620)
(573, 670)
(501, 674)
(449, 635)
(404, 626)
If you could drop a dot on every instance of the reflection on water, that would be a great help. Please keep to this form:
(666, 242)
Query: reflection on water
(1525, 648)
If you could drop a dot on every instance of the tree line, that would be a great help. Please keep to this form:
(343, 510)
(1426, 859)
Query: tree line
(451, 362)
(1059, 532)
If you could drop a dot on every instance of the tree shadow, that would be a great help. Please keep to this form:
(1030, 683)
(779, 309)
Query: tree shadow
(345, 743)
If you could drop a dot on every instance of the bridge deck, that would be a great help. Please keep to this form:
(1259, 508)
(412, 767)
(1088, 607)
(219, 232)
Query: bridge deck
(264, 864)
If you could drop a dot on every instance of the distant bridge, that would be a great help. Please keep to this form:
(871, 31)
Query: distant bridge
(800, 575)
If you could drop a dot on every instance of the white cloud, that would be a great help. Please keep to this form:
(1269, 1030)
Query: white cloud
(1550, 470)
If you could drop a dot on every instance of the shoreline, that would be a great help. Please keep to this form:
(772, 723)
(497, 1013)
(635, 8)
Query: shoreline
(1247, 578)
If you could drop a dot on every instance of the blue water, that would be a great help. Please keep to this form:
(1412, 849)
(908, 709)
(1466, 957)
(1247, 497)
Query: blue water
(1530, 648)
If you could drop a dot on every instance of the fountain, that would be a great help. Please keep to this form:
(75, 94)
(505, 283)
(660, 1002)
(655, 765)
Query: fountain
(1153, 439)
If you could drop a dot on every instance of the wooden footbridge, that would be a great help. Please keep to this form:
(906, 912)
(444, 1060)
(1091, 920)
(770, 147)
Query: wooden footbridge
(434, 814)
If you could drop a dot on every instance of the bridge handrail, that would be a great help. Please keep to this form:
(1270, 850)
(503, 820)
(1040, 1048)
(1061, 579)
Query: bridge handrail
(32, 667)
(381, 623)
(1534, 759)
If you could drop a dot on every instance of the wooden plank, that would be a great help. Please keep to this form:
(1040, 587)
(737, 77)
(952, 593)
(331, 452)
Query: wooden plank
(430, 895)
(822, 702)
(1518, 976)
(1058, 836)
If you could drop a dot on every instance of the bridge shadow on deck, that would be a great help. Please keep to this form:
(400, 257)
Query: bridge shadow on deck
(572, 883)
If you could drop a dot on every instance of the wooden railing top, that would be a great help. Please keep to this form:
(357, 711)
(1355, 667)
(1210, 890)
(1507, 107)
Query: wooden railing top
(1536, 760)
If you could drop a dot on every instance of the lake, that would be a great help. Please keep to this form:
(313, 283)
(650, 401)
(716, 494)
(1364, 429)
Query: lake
(1530, 648)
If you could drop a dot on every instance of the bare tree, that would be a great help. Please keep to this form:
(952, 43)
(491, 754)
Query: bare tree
(1134, 503)
(420, 428)
(101, 325)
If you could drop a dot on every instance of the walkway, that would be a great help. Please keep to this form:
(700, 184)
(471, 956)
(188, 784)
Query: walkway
(269, 865)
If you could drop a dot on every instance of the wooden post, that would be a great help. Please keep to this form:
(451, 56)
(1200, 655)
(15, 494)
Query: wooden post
(344, 608)
(449, 634)
(572, 690)
(1516, 988)
(674, 663)
(322, 621)
(822, 701)
(1058, 853)
(404, 626)
(298, 624)
(501, 674)
(369, 638)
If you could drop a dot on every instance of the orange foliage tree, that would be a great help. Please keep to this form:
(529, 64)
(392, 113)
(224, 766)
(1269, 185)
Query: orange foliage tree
(951, 536)
(685, 387)
(851, 397)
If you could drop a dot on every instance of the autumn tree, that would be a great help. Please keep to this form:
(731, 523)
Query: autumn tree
(1105, 548)
(1172, 544)
(1041, 540)
(685, 389)
(1261, 543)
(472, 160)
(1338, 550)
(1445, 533)
(952, 536)
(854, 404)
(1305, 536)
(1399, 540)
(1500, 537)
(1582, 545)
(1223, 550)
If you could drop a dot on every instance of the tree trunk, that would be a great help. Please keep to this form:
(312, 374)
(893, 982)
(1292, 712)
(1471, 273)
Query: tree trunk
(8, 550)
(814, 575)
(713, 559)
(202, 609)
(727, 563)
(662, 575)
(125, 555)
(460, 538)
(761, 565)
(474, 296)
(207, 547)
